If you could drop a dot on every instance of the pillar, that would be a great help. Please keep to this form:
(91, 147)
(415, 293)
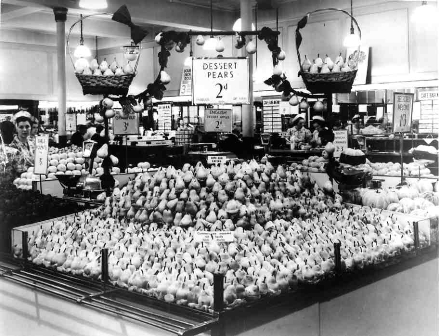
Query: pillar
(248, 116)
(60, 18)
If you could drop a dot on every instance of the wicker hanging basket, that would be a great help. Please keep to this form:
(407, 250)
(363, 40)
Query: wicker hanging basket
(102, 85)
(332, 82)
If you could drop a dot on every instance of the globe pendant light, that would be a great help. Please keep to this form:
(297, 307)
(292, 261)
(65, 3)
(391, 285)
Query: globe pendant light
(425, 14)
(82, 50)
(211, 43)
(352, 40)
(237, 26)
(93, 4)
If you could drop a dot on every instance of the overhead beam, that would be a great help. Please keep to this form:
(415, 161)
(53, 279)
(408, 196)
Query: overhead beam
(17, 13)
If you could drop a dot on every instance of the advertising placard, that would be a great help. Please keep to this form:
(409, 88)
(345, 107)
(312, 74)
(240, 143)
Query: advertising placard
(186, 81)
(41, 154)
(340, 141)
(221, 81)
(218, 120)
(126, 125)
(402, 112)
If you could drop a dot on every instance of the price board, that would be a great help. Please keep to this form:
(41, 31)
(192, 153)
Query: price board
(216, 159)
(41, 154)
(165, 118)
(402, 112)
(126, 125)
(71, 122)
(217, 236)
(340, 141)
(186, 81)
(218, 120)
(220, 81)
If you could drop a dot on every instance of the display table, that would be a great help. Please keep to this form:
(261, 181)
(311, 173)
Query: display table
(398, 301)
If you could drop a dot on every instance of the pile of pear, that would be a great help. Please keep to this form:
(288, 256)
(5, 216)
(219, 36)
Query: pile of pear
(82, 66)
(284, 228)
(318, 65)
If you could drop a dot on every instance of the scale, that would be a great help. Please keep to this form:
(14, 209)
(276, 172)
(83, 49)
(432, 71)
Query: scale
(83, 186)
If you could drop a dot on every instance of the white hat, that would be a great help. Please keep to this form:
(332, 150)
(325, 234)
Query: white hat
(21, 114)
(297, 117)
(357, 116)
(318, 118)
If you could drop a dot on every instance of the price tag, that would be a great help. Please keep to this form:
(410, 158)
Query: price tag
(71, 122)
(340, 141)
(218, 120)
(216, 159)
(88, 145)
(221, 81)
(402, 112)
(186, 81)
(126, 125)
(217, 236)
(41, 154)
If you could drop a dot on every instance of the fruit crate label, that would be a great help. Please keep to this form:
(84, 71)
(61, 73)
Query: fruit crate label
(217, 236)
(216, 159)
(218, 120)
(402, 112)
(41, 154)
(340, 141)
(126, 125)
(221, 81)
(71, 122)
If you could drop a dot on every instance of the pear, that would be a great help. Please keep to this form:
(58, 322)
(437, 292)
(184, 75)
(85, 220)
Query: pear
(108, 72)
(114, 65)
(277, 70)
(346, 68)
(200, 40)
(128, 69)
(306, 64)
(325, 68)
(281, 56)
(251, 47)
(329, 62)
(118, 72)
(80, 65)
(186, 221)
(318, 61)
(97, 72)
(94, 64)
(294, 101)
(103, 151)
(336, 68)
(314, 68)
(104, 65)
(87, 71)
(318, 106)
(164, 77)
(339, 60)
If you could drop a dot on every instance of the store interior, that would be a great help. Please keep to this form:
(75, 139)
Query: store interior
(222, 167)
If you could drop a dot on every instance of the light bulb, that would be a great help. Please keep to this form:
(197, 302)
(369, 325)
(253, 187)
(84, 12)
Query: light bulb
(237, 26)
(93, 4)
(352, 40)
(210, 44)
(424, 13)
(82, 51)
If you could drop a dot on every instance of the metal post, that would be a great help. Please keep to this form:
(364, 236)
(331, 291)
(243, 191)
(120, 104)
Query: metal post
(337, 256)
(24, 245)
(104, 265)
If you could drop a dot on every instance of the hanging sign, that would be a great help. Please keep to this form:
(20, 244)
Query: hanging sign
(402, 112)
(218, 120)
(41, 154)
(71, 122)
(186, 81)
(340, 141)
(217, 236)
(221, 81)
(126, 125)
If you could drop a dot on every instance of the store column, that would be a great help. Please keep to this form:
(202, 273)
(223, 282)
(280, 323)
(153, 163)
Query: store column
(60, 18)
(247, 113)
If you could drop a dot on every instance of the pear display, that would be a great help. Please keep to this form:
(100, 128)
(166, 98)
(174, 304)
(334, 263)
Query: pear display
(318, 61)
(94, 64)
(329, 62)
(326, 66)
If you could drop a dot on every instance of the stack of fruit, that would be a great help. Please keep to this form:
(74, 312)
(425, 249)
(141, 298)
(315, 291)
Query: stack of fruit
(82, 66)
(327, 65)
(283, 226)
(312, 164)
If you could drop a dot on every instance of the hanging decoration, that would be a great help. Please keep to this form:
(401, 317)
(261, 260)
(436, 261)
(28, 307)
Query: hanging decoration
(122, 15)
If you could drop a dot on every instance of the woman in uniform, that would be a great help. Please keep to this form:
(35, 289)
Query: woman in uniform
(322, 134)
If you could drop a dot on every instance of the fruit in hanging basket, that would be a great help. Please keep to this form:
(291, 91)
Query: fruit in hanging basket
(164, 77)
(94, 64)
(81, 64)
(108, 72)
(114, 65)
(128, 69)
(87, 71)
(306, 64)
(97, 72)
(336, 68)
(104, 65)
(339, 60)
(314, 68)
(119, 72)
(329, 62)
(107, 103)
(346, 68)
(325, 68)
(318, 61)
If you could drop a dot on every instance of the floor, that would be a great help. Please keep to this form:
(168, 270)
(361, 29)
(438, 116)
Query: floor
(402, 302)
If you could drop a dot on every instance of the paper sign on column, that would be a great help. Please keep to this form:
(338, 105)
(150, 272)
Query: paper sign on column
(126, 125)
(340, 141)
(402, 112)
(217, 236)
(186, 81)
(71, 122)
(41, 154)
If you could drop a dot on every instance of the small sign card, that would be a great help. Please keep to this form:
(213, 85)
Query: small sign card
(126, 125)
(41, 154)
(217, 236)
(218, 120)
(216, 159)
(340, 141)
(402, 112)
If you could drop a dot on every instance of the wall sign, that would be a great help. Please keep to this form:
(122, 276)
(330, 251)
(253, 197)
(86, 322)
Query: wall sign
(186, 81)
(340, 141)
(402, 112)
(41, 154)
(221, 81)
(165, 118)
(218, 236)
(216, 159)
(218, 120)
(126, 125)
(71, 122)
(428, 95)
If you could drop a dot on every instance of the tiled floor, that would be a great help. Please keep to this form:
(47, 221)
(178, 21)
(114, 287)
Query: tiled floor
(403, 302)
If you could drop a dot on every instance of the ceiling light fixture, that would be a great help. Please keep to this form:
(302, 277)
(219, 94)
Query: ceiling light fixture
(425, 13)
(237, 26)
(211, 43)
(81, 50)
(93, 4)
(352, 40)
